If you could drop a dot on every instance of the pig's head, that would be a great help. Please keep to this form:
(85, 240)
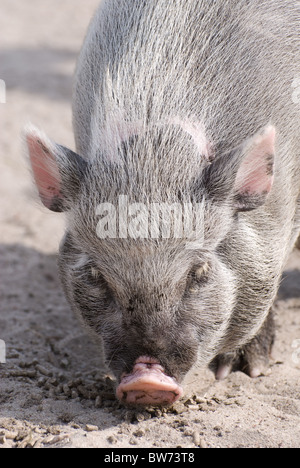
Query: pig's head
(160, 305)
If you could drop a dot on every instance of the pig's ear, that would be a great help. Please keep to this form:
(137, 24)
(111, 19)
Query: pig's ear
(255, 174)
(57, 170)
(246, 175)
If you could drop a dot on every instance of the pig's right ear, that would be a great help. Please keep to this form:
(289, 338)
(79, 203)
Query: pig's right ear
(57, 171)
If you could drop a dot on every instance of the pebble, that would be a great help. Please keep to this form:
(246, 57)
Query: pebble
(55, 439)
(75, 426)
(41, 381)
(66, 390)
(140, 417)
(179, 408)
(64, 363)
(42, 370)
(91, 428)
(13, 354)
(53, 381)
(193, 407)
(133, 441)
(27, 364)
(27, 439)
(196, 438)
(139, 433)
(202, 443)
(112, 439)
(10, 435)
(23, 373)
(74, 394)
(98, 402)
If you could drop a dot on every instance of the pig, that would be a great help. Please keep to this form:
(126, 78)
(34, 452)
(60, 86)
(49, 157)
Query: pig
(187, 104)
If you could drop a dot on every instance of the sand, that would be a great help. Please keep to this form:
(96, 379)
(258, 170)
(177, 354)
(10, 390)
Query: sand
(54, 391)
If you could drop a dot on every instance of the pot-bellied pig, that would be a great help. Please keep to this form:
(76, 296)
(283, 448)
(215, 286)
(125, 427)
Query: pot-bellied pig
(182, 199)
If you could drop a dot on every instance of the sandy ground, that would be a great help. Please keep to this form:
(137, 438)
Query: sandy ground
(53, 389)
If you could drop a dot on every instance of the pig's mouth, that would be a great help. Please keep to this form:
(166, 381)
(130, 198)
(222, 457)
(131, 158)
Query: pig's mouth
(148, 384)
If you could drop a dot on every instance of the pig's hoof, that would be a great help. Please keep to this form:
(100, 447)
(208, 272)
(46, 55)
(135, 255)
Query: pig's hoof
(148, 384)
(252, 359)
(245, 360)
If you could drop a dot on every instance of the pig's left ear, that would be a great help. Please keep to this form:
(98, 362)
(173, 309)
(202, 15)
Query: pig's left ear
(57, 171)
(255, 174)
(245, 176)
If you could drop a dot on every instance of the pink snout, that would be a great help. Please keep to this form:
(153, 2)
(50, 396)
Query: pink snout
(148, 384)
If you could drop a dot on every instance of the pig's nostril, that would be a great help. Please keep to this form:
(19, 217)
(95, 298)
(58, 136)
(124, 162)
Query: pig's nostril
(147, 360)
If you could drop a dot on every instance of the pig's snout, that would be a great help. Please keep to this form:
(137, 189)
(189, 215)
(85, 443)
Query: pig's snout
(148, 384)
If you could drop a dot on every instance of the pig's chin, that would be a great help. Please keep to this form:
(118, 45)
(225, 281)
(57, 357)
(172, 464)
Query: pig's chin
(148, 384)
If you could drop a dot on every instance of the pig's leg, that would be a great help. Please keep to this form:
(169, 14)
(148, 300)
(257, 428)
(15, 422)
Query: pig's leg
(252, 358)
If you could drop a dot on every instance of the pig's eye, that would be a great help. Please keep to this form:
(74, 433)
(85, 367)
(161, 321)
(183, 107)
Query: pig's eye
(198, 276)
(201, 272)
(90, 274)
(86, 271)
(94, 276)
(95, 273)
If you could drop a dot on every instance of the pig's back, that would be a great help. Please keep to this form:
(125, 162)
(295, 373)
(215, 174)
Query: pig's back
(229, 65)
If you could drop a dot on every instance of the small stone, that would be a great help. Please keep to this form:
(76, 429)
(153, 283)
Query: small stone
(42, 370)
(133, 441)
(66, 390)
(139, 433)
(11, 435)
(179, 408)
(202, 443)
(196, 438)
(91, 428)
(25, 364)
(189, 402)
(22, 434)
(112, 439)
(41, 381)
(98, 402)
(74, 394)
(23, 373)
(13, 354)
(75, 426)
(53, 381)
(64, 363)
(140, 417)
(55, 439)
(83, 392)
